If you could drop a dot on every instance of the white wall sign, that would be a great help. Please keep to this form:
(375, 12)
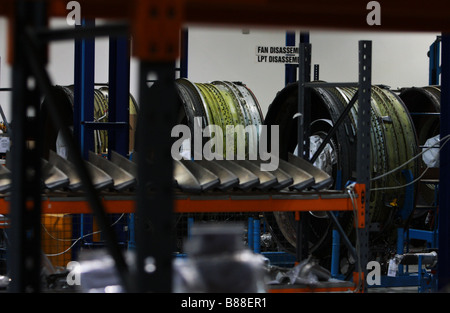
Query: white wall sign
(277, 54)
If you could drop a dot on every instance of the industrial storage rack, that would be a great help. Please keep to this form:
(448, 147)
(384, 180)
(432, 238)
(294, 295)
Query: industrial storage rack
(157, 51)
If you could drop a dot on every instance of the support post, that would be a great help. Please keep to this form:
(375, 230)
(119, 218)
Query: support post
(335, 253)
(444, 171)
(83, 106)
(434, 54)
(363, 150)
(36, 59)
(184, 53)
(190, 225)
(250, 233)
(119, 95)
(24, 255)
(154, 233)
(290, 69)
(304, 76)
(256, 236)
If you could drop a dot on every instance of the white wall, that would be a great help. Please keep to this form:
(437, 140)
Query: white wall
(61, 62)
(399, 59)
(228, 54)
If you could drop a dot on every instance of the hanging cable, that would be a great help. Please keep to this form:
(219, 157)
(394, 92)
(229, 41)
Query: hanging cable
(75, 240)
(445, 139)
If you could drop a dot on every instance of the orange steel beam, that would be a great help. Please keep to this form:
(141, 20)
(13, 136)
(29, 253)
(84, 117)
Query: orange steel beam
(400, 15)
(90, 9)
(199, 205)
(261, 205)
(155, 24)
(75, 206)
(156, 27)
(358, 279)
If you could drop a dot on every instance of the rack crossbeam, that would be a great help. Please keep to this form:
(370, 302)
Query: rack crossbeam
(228, 203)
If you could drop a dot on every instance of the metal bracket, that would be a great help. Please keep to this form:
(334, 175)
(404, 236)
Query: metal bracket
(156, 29)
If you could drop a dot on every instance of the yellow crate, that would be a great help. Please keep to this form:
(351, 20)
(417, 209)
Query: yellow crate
(56, 238)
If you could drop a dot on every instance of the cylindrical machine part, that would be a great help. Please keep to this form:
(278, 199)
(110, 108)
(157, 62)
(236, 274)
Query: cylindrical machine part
(65, 98)
(220, 103)
(393, 142)
(430, 259)
(424, 105)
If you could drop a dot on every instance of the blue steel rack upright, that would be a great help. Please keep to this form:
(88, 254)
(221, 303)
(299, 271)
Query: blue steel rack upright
(118, 112)
(434, 54)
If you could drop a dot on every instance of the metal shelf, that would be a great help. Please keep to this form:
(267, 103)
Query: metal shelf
(157, 52)
(208, 203)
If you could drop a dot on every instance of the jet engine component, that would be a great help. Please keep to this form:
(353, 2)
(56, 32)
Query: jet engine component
(393, 142)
